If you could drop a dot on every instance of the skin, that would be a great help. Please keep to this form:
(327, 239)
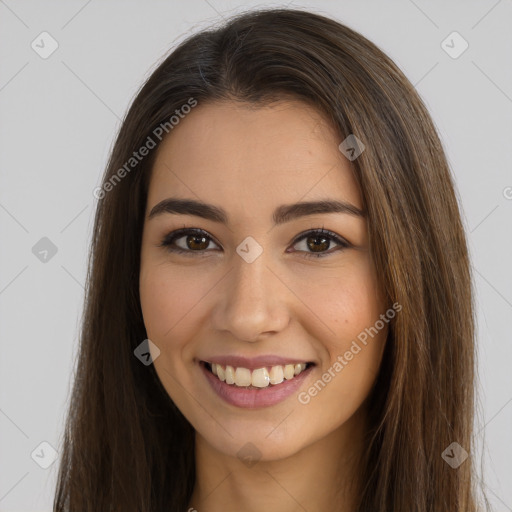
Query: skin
(249, 160)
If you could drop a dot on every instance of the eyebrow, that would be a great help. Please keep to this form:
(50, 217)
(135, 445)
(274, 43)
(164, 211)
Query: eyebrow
(282, 214)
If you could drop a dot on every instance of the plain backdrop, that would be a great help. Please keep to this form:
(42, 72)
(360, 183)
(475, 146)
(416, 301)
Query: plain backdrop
(60, 114)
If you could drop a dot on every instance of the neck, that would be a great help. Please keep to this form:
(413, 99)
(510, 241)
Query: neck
(321, 476)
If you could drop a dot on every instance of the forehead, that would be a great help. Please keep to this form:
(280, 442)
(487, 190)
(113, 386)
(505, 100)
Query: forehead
(249, 158)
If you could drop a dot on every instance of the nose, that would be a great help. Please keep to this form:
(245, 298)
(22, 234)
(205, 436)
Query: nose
(253, 301)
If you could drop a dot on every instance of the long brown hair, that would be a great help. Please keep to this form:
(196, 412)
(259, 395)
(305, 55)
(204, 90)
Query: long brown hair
(126, 446)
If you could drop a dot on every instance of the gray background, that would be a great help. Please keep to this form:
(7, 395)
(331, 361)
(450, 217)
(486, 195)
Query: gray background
(58, 118)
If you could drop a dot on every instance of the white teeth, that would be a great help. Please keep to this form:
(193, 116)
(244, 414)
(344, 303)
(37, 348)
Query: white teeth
(259, 378)
(243, 377)
(276, 375)
(289, 371)
(230, 375)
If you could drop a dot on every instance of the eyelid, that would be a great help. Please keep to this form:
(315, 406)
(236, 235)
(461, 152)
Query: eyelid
(321, 231)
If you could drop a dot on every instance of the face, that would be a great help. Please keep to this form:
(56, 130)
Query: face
(254, 285)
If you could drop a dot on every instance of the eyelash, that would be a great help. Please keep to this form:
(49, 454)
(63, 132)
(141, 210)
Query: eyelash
(170, 238)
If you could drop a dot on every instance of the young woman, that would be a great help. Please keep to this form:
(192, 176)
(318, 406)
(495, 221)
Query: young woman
(279, 306)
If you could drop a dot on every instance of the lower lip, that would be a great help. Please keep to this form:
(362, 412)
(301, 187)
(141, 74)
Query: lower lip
(254, 398)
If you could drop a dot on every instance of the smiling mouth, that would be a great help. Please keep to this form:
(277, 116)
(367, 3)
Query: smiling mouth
(260, 378)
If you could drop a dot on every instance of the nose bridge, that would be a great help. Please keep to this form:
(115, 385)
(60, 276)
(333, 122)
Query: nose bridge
(250, 281)
(251, 302)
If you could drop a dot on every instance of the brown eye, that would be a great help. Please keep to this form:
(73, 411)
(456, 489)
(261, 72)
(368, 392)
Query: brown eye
(196, 242)
(317, 242)
(190, 241)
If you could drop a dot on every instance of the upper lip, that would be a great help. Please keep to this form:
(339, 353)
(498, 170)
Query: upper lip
(253, 363)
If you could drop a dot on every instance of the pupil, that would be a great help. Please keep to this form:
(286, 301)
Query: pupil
(194, 238)
(322, 245)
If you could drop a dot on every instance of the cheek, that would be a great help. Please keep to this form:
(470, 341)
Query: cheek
(355, 352)
(349, 307)
(343, 302)
(167, 300)
(167, 303)
(361, 333)
(158, 305)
